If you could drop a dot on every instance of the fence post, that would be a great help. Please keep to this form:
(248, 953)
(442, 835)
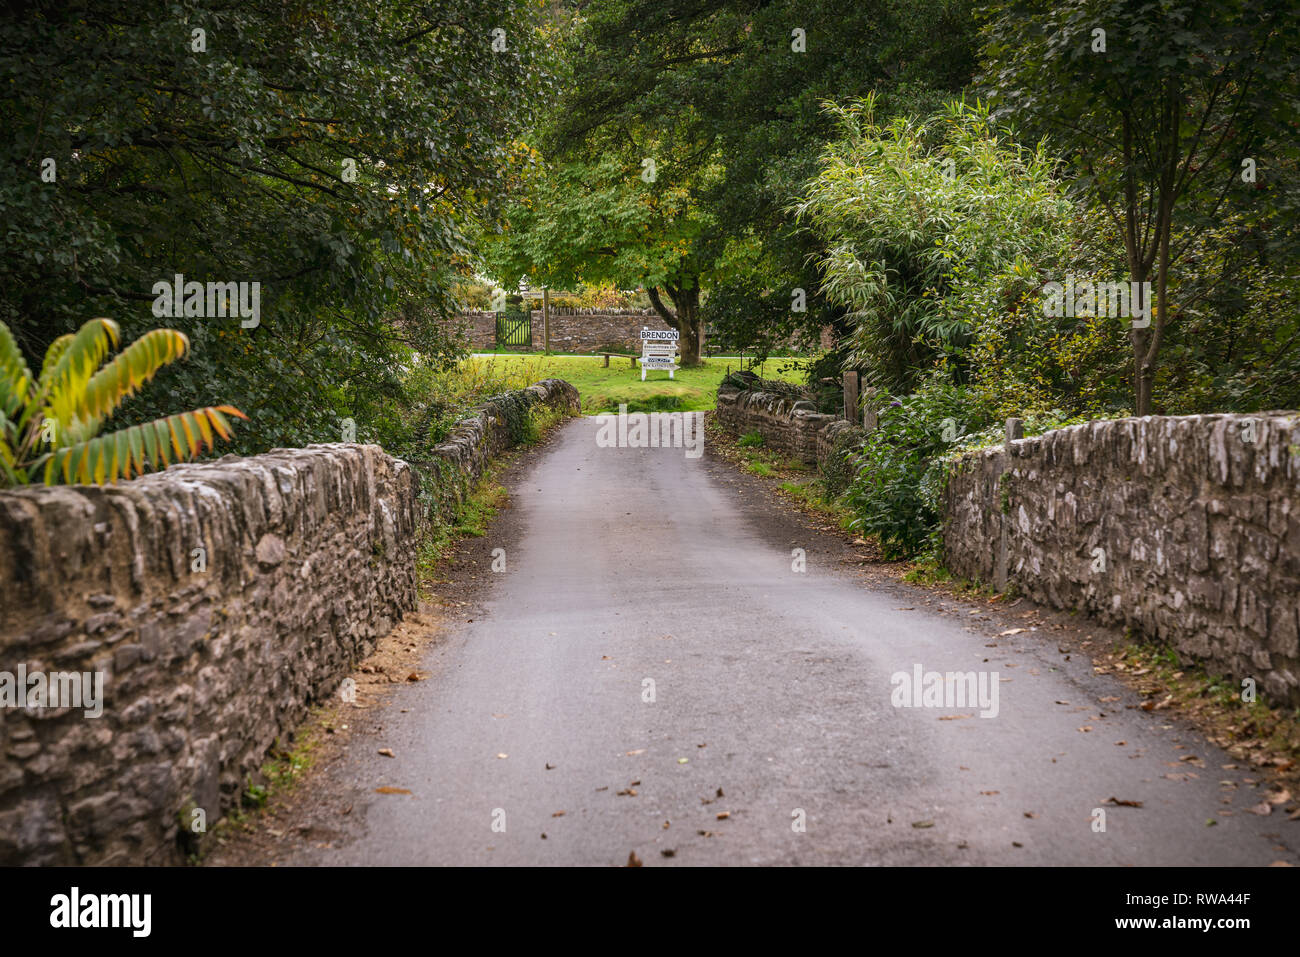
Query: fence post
(546, 319)
(1014, 430)
(851, 397)
(869, 418)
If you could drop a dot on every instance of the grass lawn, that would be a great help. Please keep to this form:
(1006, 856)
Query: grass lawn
(603, 389)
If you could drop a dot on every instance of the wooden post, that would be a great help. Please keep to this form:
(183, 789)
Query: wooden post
(1014, 430)
(869, 417)
(606, 360)
(851, 398)
(546, 320)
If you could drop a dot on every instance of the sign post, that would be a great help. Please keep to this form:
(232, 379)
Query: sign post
(658, 349)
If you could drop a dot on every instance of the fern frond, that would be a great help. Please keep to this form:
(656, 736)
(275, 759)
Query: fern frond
(131, 451)
(15, 378)
(128, 372)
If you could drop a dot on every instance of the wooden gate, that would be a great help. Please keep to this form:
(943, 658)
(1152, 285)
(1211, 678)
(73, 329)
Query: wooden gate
(515, 330)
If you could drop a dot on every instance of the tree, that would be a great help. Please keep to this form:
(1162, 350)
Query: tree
(338, 154)
(740, 85)
(610, 220)
(1167, 110)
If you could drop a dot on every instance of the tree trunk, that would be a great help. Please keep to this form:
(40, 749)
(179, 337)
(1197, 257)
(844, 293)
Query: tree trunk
(685, 319)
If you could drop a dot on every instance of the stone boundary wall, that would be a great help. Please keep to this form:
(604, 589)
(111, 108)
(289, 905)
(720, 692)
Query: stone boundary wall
(207, 658)
(787, 423)
(1186, 529)
(572, 332)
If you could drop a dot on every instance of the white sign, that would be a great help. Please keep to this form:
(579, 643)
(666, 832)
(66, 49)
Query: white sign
(658, 347)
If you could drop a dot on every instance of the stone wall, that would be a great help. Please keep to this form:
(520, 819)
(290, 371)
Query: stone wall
(307, 558)
(786, 422)
(1186, 529)
(573, 330)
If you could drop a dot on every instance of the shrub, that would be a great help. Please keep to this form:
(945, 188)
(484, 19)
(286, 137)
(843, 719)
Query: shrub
(887, 494)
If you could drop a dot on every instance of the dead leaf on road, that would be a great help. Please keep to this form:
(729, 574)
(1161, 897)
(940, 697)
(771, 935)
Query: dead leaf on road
(390, 790)
(387, 752)
(1263, 809)
(1010, 631)
(955, 717)
(922, 824)
(723, 815)
(1118, 803)
(633, 860)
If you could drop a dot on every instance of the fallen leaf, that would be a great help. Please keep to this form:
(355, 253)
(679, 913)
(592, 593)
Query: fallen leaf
(387, 752)
(1010, 631)
(922, 824)
(557, 814)
(723, 815)
(1016, 844)
(391, 790)
(1281, 864)
(719, 794)
(550, 767)
(668, 852)
(990, 792)
(632, 859)
(502, 754)
(1030, 814)
(683, 760)
(637, 751)
(955, 717)
(1263, 809)
(1085, 728)
(1117, 802)
(1279, 797)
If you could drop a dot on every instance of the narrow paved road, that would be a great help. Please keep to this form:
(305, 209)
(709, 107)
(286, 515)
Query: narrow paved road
(772, 697)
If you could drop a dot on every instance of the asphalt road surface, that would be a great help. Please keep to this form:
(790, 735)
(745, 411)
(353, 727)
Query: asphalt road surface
(535, 742)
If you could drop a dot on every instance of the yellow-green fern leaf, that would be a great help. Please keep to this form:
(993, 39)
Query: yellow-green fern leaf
(15, 378)
(129, 370)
